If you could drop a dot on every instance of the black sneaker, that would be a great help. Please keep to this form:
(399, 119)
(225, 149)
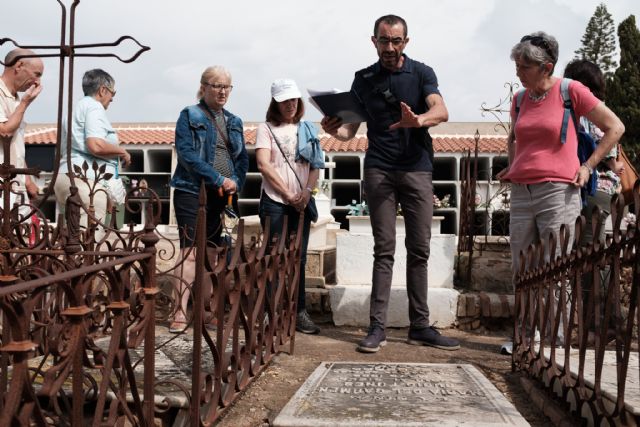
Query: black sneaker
(305, 325)
(431, 336)
(375, 339)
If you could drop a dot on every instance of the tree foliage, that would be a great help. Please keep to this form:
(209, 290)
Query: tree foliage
(599, 41)
(623, 90)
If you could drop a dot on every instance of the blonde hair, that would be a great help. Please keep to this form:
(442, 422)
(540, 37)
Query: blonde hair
(208, 74)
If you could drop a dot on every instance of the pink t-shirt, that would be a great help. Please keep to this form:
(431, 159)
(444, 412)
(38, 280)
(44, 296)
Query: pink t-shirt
(539, 154)
(287, 135)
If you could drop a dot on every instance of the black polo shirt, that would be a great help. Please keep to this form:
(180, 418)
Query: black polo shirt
(407, 149)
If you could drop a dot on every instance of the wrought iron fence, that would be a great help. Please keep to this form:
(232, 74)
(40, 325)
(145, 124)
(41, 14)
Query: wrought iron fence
(81, 328)
(576, 326)
(486, 214)
(82, 310)
(473, 228)
(494, 205)
(468, 182)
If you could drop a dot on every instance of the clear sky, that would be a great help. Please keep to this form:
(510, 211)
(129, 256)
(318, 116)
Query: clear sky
(320, 44)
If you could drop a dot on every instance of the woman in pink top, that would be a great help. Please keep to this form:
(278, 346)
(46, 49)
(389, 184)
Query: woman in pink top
(545, 174)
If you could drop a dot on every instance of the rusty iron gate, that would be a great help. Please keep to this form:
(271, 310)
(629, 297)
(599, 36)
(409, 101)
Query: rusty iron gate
(82, 309)
(472, 232)
(468, 180)
(576, 326)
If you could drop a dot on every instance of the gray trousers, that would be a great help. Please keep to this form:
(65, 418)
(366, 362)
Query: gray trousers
(414, 191)
(536, 211)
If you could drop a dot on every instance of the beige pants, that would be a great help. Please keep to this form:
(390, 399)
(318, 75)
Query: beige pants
(62, 190)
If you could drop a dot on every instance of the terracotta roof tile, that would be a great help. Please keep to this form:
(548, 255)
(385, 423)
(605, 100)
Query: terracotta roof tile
(460, 143)
(250, 135)
(159, 135)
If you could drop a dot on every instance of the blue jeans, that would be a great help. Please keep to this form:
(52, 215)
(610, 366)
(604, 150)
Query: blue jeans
(277, 212)
(186, 207)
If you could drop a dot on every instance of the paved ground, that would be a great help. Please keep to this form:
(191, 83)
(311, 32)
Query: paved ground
(268, 394)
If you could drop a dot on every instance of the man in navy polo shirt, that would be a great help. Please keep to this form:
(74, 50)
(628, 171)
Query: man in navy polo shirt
(402, 100)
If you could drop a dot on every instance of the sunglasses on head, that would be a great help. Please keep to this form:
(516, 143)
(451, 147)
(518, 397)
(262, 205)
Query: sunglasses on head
(539, 42)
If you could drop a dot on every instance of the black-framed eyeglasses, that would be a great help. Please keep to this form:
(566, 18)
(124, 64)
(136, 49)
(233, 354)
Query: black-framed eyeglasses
(541, 43)
(219, 86)
(395, 41)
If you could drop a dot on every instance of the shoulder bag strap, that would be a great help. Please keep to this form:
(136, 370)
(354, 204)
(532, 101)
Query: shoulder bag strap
(215, 123)
(284, 156)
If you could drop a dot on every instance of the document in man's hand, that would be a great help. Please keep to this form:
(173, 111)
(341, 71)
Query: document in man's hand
(338, 104)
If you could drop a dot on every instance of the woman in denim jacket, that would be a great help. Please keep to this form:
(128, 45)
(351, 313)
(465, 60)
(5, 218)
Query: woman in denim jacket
(211, 150)
(289, 158)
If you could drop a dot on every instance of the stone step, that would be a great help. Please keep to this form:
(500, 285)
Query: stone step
(321, 267)
(479, 309)
(317, 300)
(350, 306)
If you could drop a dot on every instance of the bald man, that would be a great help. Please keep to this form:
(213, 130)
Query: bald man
(22, 75)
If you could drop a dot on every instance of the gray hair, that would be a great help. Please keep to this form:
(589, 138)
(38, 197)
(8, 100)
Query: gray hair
(537, 48)
(94, 79)
(209, 73)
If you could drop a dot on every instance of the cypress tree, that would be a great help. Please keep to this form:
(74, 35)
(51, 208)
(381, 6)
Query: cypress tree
(623, 90)
(599, 41)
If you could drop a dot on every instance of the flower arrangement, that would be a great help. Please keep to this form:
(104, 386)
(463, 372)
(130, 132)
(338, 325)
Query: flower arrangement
(628, 220)
(362, 209)
(358, 209)
(445, 202)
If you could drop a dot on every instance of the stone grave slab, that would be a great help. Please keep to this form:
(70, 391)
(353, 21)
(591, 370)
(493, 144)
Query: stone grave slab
(398, 394)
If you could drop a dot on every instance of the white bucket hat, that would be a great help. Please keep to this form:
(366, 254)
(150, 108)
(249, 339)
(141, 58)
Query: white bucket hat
(284, 89)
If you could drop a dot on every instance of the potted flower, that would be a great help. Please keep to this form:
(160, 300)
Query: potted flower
(359, 222)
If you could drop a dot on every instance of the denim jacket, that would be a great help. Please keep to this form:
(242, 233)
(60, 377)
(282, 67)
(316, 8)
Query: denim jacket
(195, 145)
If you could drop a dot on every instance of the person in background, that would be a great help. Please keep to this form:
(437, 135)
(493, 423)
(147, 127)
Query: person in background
(93, 139)
(23, 75)
(289, 158)
(211, 149)
(402, 100)
(609, 171)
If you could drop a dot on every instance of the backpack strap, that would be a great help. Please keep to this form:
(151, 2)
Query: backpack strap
(568, 110)
(381, 87)
(519, 98)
